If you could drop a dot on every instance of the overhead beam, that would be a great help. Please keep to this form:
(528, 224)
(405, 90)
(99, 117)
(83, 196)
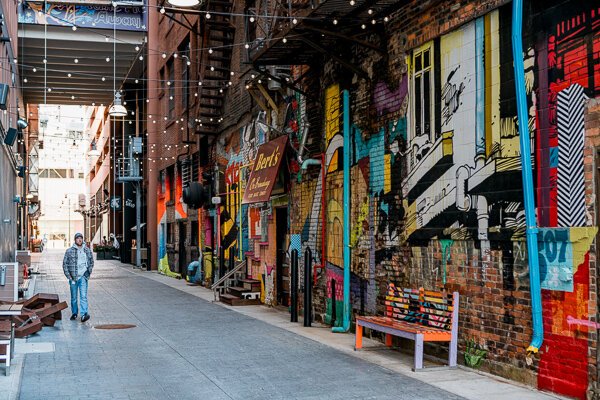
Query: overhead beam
(339, 60)
(362, 43)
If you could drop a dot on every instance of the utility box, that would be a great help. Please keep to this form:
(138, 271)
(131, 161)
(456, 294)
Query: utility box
(9, 281)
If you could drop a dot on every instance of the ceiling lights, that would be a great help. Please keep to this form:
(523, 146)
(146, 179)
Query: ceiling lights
(184, 3)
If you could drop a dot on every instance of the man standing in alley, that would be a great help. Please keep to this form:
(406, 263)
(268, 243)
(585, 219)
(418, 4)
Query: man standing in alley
(77, 266)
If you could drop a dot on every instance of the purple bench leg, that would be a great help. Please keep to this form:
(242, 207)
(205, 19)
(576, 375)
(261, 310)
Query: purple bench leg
(418, 352)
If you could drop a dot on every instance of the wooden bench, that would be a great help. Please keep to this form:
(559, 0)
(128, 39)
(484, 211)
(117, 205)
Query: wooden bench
(419, 315)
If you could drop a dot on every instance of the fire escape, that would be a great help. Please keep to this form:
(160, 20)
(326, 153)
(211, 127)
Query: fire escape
(214, 72)
(307, 33)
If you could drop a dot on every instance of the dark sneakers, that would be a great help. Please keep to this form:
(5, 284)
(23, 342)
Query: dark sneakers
(84, 317)
(73, 317)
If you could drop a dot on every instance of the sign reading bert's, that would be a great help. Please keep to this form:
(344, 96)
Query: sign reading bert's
(265, 171)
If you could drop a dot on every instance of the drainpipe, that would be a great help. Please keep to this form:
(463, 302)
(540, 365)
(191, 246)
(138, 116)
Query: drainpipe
(531, 227)
(346, 325)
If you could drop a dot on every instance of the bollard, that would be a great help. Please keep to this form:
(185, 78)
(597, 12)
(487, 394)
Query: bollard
(307, 287)
(294, 287)
(333, 305)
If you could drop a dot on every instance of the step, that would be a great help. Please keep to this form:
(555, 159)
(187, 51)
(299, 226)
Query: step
(251, 284)
(207, 105)
(237, 290)
(236, 301)
(212, 96)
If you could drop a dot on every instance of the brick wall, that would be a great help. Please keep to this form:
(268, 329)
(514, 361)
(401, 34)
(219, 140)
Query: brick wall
(409, 227)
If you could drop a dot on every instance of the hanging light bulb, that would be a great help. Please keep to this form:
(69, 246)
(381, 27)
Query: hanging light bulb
(162, 10)
(284, 40)
(335, 21)
(294, 21)
(76, 61)
(207, 15)
(251, 19)
(107, 59)
(247, 46)
(210, 51)
(164, 55)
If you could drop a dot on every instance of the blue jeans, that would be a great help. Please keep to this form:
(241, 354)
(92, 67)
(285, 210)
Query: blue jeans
(82, 286)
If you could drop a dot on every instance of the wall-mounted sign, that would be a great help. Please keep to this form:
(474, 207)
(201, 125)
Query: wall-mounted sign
(265, 170)
(116, 203)
(91, 16)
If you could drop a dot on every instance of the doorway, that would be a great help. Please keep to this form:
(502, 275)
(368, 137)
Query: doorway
(282, 271)
(181, 244)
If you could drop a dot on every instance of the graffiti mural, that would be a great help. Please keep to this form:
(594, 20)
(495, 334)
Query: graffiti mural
(463, 177)
(163, 195)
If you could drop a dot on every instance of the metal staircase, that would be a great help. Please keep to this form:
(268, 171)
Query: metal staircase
(215, 66)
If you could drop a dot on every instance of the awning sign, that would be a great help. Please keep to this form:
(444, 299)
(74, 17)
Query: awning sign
(265, 171)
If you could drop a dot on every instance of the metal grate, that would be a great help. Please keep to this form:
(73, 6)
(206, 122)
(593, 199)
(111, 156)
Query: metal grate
(115, 326)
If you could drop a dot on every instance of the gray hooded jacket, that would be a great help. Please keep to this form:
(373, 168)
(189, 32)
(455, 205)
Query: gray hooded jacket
(70, 262)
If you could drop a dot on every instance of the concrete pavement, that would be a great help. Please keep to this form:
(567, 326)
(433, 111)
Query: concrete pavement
(184, 346)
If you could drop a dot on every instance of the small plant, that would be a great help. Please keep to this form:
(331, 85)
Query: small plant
(474, 354)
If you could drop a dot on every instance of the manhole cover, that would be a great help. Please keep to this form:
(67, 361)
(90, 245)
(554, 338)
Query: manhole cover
(115, 326)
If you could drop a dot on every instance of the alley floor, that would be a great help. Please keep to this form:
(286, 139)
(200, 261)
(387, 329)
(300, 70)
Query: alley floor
(184, 347)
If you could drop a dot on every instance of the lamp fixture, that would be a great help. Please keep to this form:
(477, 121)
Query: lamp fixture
(94, 152)
(184, 3)
(117, 109)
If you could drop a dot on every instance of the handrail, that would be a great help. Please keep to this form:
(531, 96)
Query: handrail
(222, 279)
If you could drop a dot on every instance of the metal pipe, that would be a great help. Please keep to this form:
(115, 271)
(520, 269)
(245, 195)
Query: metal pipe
(346, 325)
(294, 287)
(310, 161)
(323, 221)
(531, 225)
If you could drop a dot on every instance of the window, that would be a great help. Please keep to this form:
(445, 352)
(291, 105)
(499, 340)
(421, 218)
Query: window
(170, 233)
(184, 51)
(171, 100)
(163, 182)
(171, 177)
(422, 90)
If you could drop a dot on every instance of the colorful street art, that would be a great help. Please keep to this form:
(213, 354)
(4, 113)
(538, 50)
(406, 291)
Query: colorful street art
(161, 208)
